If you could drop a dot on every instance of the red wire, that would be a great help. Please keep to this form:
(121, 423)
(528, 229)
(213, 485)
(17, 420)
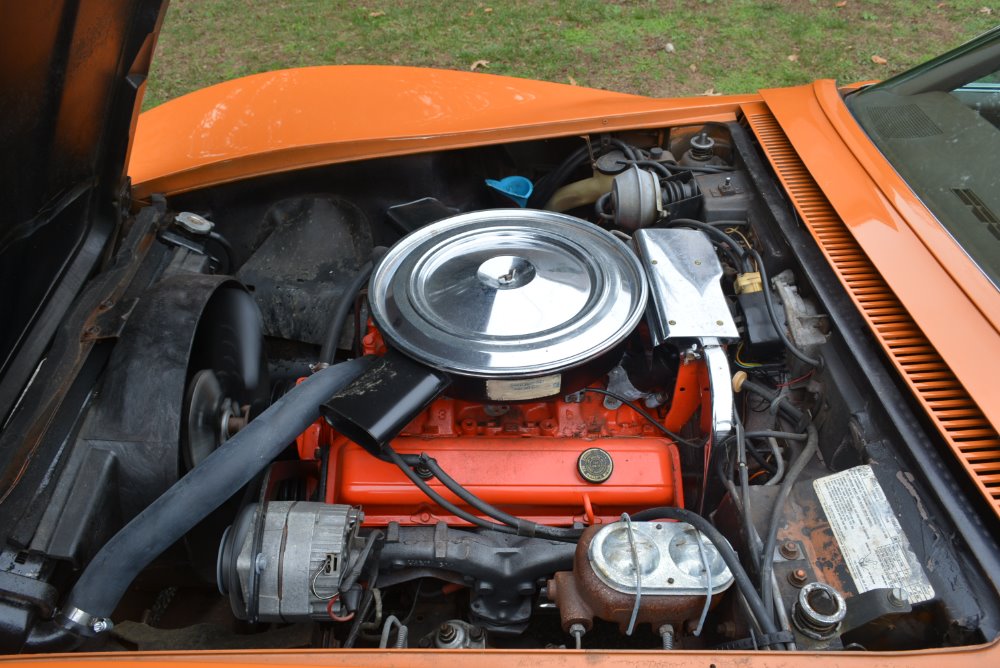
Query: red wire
(795, 380)
(329, 610)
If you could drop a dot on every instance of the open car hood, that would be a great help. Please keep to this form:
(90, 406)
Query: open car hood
(79, 70)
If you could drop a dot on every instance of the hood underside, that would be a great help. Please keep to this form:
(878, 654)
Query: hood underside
(78, 70)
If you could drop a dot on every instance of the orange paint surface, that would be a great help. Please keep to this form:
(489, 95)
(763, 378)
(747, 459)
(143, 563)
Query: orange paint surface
(954, 304)
(524, 460)
(967, 657)
(290, 119)
(532, 478)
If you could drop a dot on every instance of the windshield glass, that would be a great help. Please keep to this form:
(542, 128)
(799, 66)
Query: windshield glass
(939, 126)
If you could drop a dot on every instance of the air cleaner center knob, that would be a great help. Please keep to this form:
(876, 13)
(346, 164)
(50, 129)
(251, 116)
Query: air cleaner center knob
(505, 272)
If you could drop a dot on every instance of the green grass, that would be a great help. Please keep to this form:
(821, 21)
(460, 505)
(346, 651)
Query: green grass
(723, 46)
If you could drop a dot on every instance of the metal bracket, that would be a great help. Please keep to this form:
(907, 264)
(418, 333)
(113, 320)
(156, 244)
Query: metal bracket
(172, 238)
(108, 321)
(873, 604)
(720, 382)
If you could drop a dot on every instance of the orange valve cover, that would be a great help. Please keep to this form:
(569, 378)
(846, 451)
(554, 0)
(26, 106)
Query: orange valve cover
(535, 478)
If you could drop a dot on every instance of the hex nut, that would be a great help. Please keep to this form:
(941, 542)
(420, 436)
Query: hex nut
(798, 577)
(789, 550)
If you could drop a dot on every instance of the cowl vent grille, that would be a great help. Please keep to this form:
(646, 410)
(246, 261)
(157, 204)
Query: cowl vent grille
(961, 424)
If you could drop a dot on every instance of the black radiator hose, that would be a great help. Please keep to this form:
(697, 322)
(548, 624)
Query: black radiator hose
(185, 504)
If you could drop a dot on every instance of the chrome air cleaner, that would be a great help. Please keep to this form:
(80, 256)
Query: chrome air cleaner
(513, 304)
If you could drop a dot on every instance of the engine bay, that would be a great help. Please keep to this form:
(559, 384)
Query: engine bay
(573, 393)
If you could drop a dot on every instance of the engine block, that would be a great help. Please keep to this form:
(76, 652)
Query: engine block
(533, 459)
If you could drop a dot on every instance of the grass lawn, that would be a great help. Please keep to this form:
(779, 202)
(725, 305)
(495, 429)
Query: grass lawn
(656, 48)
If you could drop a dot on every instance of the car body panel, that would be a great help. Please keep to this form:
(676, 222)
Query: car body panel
(966, 657)
(933, 278)
(291, 119)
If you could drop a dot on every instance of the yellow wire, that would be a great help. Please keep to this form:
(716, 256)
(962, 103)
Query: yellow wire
(739, 349)
(733, 230)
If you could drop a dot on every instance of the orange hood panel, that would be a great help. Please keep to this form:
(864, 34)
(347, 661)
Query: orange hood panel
(949, 298)
(290, 119)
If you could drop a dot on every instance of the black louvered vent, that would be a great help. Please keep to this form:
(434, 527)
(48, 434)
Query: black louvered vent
(950, 408)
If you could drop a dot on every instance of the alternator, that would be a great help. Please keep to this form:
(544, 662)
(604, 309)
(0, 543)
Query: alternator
(287, 562)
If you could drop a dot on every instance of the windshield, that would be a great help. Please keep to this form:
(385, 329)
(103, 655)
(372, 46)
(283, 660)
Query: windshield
(939, 126)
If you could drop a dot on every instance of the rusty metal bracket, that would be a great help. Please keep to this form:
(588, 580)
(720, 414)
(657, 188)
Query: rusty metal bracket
(108, 321)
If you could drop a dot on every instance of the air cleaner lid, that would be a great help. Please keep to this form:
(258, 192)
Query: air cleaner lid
(507, 293)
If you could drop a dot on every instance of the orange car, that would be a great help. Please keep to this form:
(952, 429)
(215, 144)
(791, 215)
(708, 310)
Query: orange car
(380, 365)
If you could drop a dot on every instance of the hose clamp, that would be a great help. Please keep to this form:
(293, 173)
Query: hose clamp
(81, 618)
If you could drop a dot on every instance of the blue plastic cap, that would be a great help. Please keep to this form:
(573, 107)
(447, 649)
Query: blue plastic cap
(517, 188)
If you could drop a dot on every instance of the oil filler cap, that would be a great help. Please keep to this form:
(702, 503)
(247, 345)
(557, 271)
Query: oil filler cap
(595, 465)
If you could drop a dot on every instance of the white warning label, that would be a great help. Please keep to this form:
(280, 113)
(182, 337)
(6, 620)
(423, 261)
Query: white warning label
(871, 540)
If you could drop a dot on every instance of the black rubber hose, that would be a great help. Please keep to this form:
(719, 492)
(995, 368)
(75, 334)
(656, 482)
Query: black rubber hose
(725, 551)
(358, 565)
(785, 407)
(707, 169)
(547, 186)
(50, 637)
(203, 489)
(341, 312)
(363, 609)
(719, 236)
(601, 207)
(778, 326)
(524, 527)
(651, 164)
(771, 539)
(720, 455)
(744, 475)
(729, 223)
(227, 250)
(786, 435)
(630, 151)
(440, 500)
(324, 471)
(759, 458)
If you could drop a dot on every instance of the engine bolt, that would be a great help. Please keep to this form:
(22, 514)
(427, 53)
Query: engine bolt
(476, 633)
(798, 577)
(726, 629)
(667, 634)
(446, 633)
(100, 625)
(897, 597)
(789, 550)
